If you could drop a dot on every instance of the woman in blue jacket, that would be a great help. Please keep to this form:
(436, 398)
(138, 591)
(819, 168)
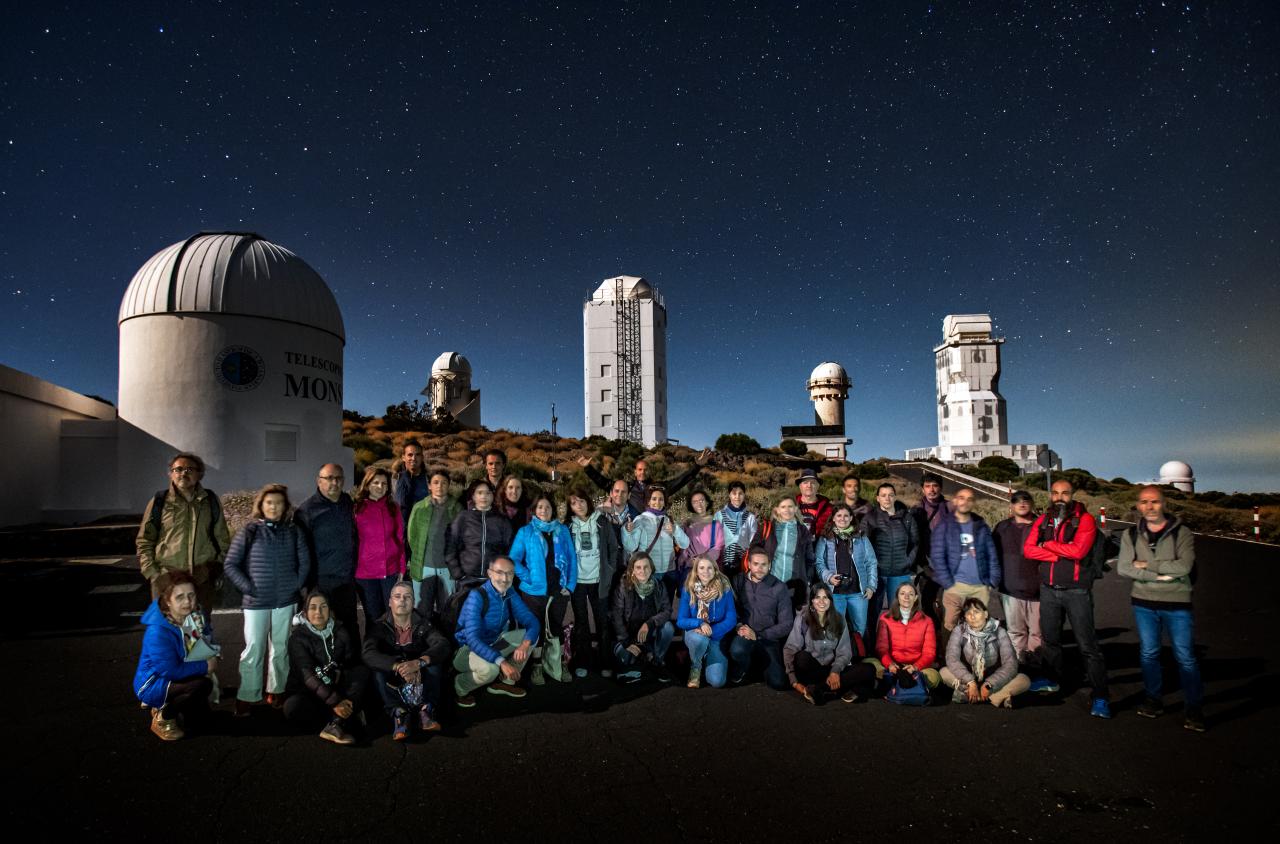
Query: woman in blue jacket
(707, 614)
(179, 656)
(547, 567)
(268, 561)
(847, 564)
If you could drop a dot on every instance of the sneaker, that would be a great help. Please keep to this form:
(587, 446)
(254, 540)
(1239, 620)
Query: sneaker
(630, 676)
(737, 681)
(334, 733)
(1150, 709)
(166, 729)
(579, 673)
(243, 708)
(808, 695)
(958, 696)
(401, 725)
(275, 700)
(661, 674)
(606, 673)
(1043, 686)
(695, 678)
(849, 697)
(1101, 708)
(506, 689)
(537, 677)
(1194, 721)
(466, 701)
(428, 723)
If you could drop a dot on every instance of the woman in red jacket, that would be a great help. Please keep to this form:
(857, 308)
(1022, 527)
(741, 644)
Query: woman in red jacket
(905, 638)
(379, 542)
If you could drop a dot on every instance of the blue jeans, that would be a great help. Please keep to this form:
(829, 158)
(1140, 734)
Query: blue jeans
(1181, 628)
(742, 652)
(704, 647)
(853, 609)
(886, 591)
(391, 698)
(656, 644)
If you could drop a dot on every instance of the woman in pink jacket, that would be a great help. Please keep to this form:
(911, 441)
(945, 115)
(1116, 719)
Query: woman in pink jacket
(379, 542)
(706, 534)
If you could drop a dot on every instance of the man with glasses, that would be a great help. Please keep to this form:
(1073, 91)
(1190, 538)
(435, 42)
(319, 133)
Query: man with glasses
(496, 632)
(183, 529)
(328, 519)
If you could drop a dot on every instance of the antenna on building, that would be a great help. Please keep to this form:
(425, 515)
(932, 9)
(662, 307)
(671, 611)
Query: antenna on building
(627, 322)
(554, 419)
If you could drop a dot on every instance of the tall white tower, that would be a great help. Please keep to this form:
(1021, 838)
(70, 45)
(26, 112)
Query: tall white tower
(971, 411)
(624, 333)
(828, 388)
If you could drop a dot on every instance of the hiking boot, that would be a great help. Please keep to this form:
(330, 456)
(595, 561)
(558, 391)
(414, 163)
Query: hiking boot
(426, 721)
(1150, 709)
(1043, 686)
(243, 708)
(401, 731)
(1101, 708)
(166, 729)
(537, 677)
(333, 732)
(1194, 721)
(507, 690)
(695, 678)
(466, 701)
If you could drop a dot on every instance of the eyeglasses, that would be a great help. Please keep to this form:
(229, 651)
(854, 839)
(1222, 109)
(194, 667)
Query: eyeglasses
(184, 470)
(332, 478)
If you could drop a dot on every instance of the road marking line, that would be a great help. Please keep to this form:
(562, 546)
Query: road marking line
(95, 561)
(115, 589)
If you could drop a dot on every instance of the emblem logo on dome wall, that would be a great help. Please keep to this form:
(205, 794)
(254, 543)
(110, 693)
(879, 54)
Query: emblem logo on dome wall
(240, 368)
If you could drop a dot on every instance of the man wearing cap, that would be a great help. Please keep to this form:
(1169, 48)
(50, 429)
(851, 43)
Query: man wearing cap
(1020, 578)
(815, 509)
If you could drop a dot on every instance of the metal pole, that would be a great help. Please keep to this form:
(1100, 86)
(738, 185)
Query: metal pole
(1257, 525)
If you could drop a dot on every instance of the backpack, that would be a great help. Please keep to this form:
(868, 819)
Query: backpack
(157, 513)
(1105, 545)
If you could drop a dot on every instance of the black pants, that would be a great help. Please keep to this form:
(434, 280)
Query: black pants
(590, 627)
(187, 697)
(742, 652)
(550, 617)
(857, 676)
(389, 683)
(307, 710)
(342, 604)
(1075, 606)
(435, 597)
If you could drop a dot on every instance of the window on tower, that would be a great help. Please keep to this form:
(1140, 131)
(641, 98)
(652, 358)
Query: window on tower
(606, 370)
(606, 395)
(606, 420)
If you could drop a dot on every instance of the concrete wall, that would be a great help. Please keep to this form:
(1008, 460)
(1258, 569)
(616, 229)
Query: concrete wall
(32, 415)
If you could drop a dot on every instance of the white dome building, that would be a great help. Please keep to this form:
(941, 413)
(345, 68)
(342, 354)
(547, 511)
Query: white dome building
(1177, 474)
(450, 393)
(829, 388)
(232, 347)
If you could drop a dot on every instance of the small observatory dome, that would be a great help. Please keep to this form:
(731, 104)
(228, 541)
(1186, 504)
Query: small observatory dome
(451, 362)
(829, 371)
(1178, 475)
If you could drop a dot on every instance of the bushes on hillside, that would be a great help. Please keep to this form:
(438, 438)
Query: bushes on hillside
(795, 448)
(739, 444)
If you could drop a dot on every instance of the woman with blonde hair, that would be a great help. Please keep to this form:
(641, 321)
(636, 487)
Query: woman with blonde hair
(707, 614)
(380, 559)
(268, 561)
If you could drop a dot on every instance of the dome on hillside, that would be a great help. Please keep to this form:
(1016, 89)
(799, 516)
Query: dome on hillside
(232, 273)
(451, 362)
(1175, 471)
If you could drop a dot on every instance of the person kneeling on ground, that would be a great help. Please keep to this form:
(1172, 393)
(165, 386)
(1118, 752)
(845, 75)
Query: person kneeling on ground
(981, 663)
(765, 617)
(905, 638)
(326, 678)
(493, 651)
(407, 656)
(707, 614)
(820, 651)
(641, 618)
(178, 657)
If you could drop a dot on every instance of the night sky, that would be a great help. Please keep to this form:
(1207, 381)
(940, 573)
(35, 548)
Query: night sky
(802, 182)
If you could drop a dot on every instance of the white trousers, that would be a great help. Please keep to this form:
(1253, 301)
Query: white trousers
(265, 631)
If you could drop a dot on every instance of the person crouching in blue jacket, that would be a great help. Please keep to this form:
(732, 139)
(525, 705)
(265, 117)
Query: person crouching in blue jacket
(547, 566)
(179, 656)
(496, 631)
(707, 614)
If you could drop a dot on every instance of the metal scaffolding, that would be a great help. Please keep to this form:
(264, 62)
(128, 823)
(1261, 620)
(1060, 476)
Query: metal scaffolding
(630, 401)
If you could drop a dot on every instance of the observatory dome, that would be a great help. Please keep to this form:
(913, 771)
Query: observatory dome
(1175, 472)
(451, 362)
(232, 273)
(828, 371)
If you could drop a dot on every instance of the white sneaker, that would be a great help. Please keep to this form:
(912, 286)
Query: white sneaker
(606, 673)
(538, 678)
(579, 673)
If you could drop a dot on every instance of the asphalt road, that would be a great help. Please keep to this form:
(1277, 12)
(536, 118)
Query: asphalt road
(642, 762)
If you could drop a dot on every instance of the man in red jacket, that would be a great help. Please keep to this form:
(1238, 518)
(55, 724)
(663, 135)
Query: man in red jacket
(1061, 540)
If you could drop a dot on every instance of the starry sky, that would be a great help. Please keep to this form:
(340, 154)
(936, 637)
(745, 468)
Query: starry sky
(801, 181)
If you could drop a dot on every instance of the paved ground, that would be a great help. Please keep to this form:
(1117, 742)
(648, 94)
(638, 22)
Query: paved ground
(649, 763)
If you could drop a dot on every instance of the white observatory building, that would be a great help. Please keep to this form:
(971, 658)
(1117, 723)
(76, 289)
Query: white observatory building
(828, 387)
(972, 421)
(624, 333)
(1177, 474)
(231, 347)
(450, 393)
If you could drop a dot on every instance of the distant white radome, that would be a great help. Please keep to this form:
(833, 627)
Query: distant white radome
(451, 362)
(1178, 475)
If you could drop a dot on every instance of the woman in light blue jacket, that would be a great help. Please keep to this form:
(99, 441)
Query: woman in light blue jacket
(656, 534)
(547, 566)
(847, 563)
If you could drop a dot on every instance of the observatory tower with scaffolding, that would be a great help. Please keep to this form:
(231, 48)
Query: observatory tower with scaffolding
(624, 332)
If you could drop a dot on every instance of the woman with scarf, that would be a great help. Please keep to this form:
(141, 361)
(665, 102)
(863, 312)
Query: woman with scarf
(786, 540)
(824, 656)
(476, 536)
(739, 526)
(268, 561)
(656, 534)
(706, 615)
(547, 566)
(380, 559)
(179, 655)
(706, 534)
(326, 677)
(513, 502)
(981, 663)
(598, 552)
(905, 638)
(847, 564)
(641, 618)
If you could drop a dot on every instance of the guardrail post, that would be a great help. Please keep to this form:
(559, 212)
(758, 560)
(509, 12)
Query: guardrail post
(1257, 525)
(1102, 517)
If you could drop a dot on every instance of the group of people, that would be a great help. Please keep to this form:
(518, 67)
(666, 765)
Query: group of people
(844, 599)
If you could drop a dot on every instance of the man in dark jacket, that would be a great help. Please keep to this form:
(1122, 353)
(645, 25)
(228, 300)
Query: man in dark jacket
(328, 520)
(497, 632)
(965, 564)
(412, 481)
(927, 513)
(1019, 577)
(407, 656)
(1061, 541)
(639, 494)
(895, 537)
(765, 617)
(476, 537)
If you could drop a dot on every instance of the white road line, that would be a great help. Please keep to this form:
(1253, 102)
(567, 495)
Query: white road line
(115, 589)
